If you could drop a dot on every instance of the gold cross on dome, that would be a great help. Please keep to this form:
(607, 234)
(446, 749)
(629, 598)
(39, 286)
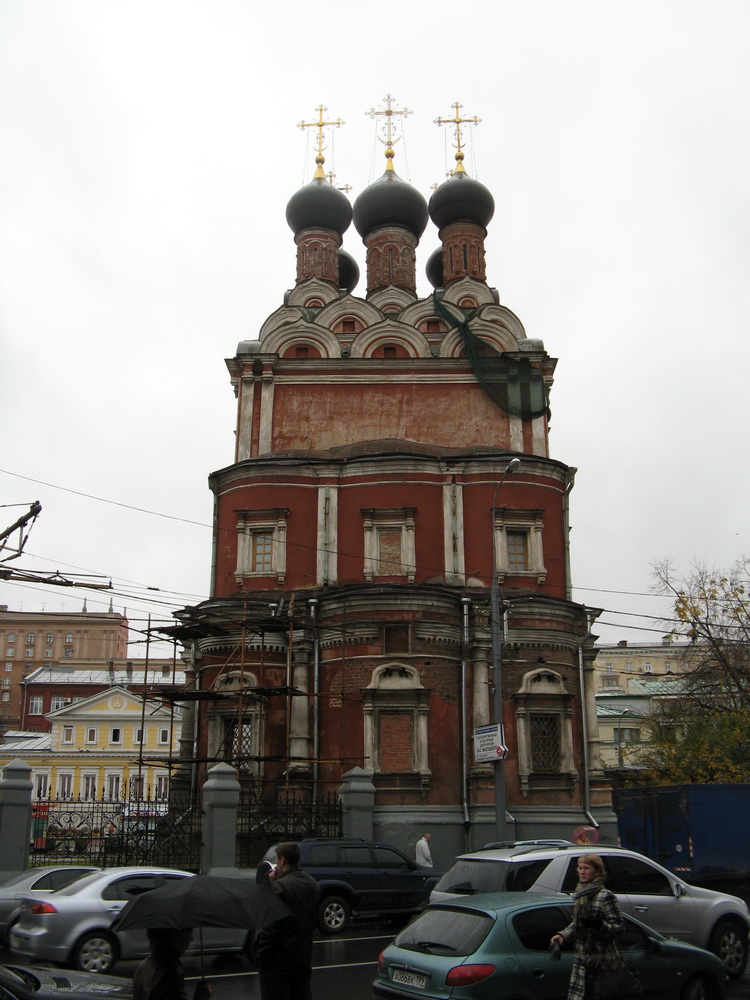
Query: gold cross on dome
(457, 121)
(389, 126)
(320, 125)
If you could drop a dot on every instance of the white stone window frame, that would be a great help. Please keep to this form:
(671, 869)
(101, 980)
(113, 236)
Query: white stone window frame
(391, 519)
(36, 704)
(396, 687)
(68, 734)
(252, 714)
(92, 740)
(88, 785)
(543, 692)
(65, 785)
(531, 523)
(112, 779)
(270, 521)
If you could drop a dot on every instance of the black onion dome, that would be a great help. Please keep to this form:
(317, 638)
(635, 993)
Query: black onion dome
(319, 205)
(462, 199)
(434, 268)
(348, 271)
(389, 201)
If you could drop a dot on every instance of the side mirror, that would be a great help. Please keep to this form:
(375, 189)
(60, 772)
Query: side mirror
(679, 889)
(654, 945)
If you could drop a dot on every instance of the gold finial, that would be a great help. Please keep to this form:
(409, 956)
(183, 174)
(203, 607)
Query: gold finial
(389, 127)
(320, 125)
(458, 121)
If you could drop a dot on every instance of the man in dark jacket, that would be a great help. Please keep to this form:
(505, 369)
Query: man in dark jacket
(284, 950)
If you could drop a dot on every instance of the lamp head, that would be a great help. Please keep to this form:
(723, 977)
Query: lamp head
(513, 466)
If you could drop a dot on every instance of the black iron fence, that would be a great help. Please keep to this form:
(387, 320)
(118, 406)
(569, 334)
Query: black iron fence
(136, 831)
(261, 826)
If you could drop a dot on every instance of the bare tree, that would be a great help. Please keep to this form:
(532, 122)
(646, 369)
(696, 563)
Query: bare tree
(713, 612)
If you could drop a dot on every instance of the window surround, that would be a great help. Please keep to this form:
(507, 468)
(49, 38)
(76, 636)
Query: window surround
(67, 735)
(542, 693)
(396, 688)
(394, 519)
(271, 521)
(92, 735)
(65, 785)
(528, 522)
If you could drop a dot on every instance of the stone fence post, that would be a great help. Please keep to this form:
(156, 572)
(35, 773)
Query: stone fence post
(221, 797)
(357, 804)
(15, 816)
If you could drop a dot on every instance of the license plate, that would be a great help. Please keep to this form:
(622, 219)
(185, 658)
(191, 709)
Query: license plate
(409, 978)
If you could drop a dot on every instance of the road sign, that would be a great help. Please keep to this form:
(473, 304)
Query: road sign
(489, 744)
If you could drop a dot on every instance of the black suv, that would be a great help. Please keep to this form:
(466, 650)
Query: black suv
(358, 877)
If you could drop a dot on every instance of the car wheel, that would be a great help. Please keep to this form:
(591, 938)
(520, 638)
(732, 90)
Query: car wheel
(94, 952)
(334, 914)
(729, 942)
(698, 988)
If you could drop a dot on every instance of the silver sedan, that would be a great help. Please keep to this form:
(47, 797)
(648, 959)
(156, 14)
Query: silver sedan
(73, 926)
(32, 882)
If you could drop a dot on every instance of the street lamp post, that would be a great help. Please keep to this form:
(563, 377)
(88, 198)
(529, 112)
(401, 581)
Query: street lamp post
(497, 661)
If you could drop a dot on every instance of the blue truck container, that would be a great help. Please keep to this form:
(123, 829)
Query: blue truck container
(699, 832)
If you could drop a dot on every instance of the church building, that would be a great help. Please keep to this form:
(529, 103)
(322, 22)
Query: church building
(392, 461)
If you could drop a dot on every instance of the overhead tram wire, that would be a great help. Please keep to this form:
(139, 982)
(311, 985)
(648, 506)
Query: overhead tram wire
(179, 598)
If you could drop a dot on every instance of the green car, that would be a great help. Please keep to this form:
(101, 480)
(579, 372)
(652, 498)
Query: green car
(495, 945)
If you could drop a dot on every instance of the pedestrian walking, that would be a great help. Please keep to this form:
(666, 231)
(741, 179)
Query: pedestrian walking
(594, 928)
(284, 949)
(160, 976)
(422, 853)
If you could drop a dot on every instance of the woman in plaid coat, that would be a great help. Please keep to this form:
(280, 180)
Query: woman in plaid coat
(595, 925)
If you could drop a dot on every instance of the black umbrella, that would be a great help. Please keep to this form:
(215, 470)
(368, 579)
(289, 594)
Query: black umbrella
(203, 901)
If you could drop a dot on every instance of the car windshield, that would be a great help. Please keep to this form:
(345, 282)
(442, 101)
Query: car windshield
(445, 932)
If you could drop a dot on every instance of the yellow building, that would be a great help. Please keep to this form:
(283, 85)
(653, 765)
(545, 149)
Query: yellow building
(112, 745)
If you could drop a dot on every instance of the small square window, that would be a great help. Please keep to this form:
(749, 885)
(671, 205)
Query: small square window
(8, 667)
(115, 735)
(163, 736)
(91, 735)
(67, 736)
(67, 652)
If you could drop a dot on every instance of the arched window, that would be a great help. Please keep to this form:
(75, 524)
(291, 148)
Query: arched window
(545, 732)
(395, 707)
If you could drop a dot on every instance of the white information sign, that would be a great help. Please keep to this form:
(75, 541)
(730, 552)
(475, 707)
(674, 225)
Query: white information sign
(489, 744)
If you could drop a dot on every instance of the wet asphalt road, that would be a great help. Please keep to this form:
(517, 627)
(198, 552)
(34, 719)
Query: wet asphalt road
(344, 968)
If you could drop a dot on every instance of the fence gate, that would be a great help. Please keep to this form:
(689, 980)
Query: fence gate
(260, 827)
(106, 833)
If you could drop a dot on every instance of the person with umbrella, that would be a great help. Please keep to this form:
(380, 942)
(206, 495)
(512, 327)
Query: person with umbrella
(160, 976)
(283, 949)
(192, 901)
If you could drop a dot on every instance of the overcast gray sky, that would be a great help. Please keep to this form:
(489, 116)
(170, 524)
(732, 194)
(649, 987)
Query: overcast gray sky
(148, 150)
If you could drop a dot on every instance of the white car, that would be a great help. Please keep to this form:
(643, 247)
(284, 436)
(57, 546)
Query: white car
(72, 926)
(712, 920)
